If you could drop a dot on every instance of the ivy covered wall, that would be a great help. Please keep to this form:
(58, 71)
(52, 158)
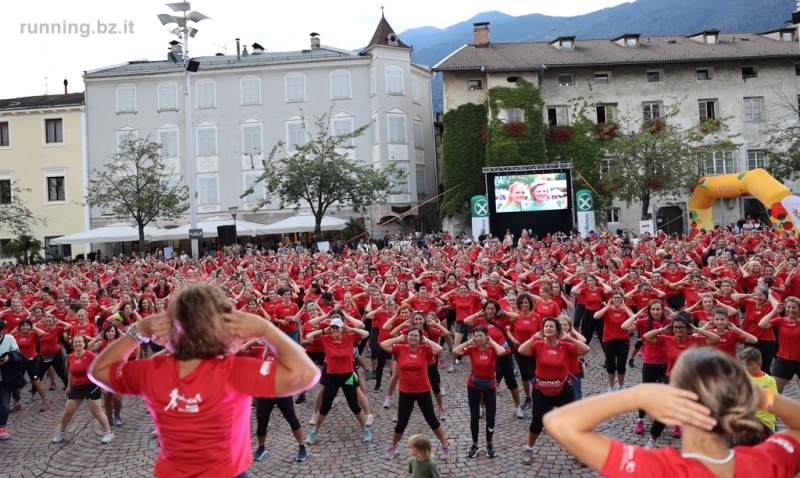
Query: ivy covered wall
(463, 156)
(511, 144)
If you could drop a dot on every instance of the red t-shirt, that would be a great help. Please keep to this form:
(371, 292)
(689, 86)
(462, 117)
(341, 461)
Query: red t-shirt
(752, 316)
(314, 346)
(89, 331)
(48, 343)
(789, 332)
(339, 353)
(494, 332)
(464, 306)
(612, 328)
(286, 312)
(675, 348)
(526, 327)
(27, 343)
(413, 366)
(728, 342)
(547, 309)
(212, 404)
(592, 299)
(778, 457)
(429, 305)
(483, 363)
(79, 367)
(12, 320)
(552, 363)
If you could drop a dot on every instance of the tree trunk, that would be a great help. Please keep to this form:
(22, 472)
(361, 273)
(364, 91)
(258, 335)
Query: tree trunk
(645, 205)
(141, 239)
(317, 228)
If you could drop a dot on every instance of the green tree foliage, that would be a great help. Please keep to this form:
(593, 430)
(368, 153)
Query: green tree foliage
(463, 156)
(138, 184)
(15, 216)
(25, 249)
(352, 228)
(321, 174)
(507, 145)
(783, 143)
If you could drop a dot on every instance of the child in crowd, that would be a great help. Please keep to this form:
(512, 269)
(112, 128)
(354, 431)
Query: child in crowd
(421, 464)
(751, 360)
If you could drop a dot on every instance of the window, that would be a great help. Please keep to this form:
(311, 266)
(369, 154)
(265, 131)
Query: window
(632, 41)
(251, 91)
(514, 115)
(711, 39)
(340, 85)
(258, 190)
(707, 109)
(752, 110)
(755, 159)
(716, 162)
(566, 44)
(557, 116)
(373, 129)
(421, 182)
(207, 141)
(343, 126)
(602, 78)
(565, 80)
(126, 99)
(749, 72)
(54, 130)
(56, 251)
(394, 81)
(55, 189)
(397, 129)
(401, 183)
(605, 167)
(5, 191)
(654, 77)
(605, 113)
(415, 91)
(167, 97)
(208, 190)
(418, 135)
(295, 88)
(296, 135)
(704, 74)
(474, 84)
(372, 88)
(612, 214)
(205, 94)
(787, 36)
(651, 111)
(252, 137)
(4, 140)
(123, 136)
(169, 143)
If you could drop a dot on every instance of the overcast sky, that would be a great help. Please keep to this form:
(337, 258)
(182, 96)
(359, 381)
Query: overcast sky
(277, 25)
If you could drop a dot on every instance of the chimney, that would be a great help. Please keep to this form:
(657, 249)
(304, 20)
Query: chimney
(244, 52)
(65, 86)
(238, 50)
(481, 31)
(315, 41)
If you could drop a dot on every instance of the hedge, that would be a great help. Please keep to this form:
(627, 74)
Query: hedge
(504, 149)
(463, 156)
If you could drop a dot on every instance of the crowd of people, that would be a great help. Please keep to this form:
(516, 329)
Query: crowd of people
(272, 324)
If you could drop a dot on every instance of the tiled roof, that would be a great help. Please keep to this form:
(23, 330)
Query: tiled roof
(381, 36)
(661, 49)
(44, 101)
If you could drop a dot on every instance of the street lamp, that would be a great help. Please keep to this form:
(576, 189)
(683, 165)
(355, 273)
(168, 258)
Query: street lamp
(185, 31)
(233, 210)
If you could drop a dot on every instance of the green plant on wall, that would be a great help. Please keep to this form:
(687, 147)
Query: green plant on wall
(463, 156)
(509, 144)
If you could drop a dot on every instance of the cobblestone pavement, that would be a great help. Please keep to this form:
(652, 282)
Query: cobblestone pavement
(337, 452)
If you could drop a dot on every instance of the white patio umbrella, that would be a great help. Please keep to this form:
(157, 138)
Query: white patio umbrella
(209, 227)
(302, 223)
(120, 232)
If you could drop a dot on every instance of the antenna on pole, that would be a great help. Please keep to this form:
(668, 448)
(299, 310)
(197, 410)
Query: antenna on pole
(224, 47)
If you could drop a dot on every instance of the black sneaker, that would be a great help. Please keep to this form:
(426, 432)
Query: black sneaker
(489, 451)
(473, 451)
(301, 399)
(527, 403)
(259, 453)
(377, 389)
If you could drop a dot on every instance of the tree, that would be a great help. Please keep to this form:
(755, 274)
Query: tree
(352, 228)
(463, 156)
(322, 174)
(657, 159)
(783, 140)
(25, 249)
(14, 213)
(138, 184)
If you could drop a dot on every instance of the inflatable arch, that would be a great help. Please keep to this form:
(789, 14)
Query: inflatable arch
(783, 208)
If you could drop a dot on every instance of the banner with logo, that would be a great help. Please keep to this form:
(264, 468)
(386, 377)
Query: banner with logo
(584, 203)
(479, 209)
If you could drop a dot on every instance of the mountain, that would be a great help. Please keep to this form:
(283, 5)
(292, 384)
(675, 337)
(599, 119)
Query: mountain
(648, 17)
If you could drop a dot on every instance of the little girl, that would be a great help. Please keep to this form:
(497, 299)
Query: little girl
(421, 465)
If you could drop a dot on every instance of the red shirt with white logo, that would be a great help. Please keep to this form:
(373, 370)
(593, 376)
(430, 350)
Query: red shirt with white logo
(212, 404)
(413, 366)
(464, 306)
(79, 367)
(526, 327)
(547, 309)
(89, 331)
(675, 348)
(612, 328)
(752, 316)
(286, 312)
(27, 343)
(728, 342)
(789, 345)
(592, 299)
(552, 363)
(48, 343)
(338, 353)
(483, 363)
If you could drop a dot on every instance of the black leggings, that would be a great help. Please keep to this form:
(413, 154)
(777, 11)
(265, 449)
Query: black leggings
(579, 310)
(264, 408)
(58, 366)
(652, 373)
(527, 366)
(767, 349)
(363, 344)
(590, 325)
(335, 382)
(616, 354)
(543, 404)
(506, 365)
(450, 318)
(433, 377)
(406, 406)
(490, 401)
(383, 357)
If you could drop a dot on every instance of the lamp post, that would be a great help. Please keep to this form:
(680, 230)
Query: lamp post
(233, 210)
(184, 31)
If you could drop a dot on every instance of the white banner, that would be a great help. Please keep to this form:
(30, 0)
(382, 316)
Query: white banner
(586, 222)
(479, 223)
(646, 226)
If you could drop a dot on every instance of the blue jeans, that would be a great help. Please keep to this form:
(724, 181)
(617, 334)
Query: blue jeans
(294, 335)
(576, 386)
(5, 406)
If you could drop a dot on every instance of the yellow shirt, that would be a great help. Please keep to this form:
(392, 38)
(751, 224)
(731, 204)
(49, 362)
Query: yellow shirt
(766, 381)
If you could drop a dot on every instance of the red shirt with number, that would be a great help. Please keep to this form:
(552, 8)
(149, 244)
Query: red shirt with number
(79, 367)
(413, 367)
(339, 353)
(483, 363)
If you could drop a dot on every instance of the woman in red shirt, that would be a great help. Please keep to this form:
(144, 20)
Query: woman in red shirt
(465, 302)
(50, 348)
(522, 328)
(592, 293)
(575, 365)
(481, 384)
(787, 363)
(413, 353)
(81, 388)
(756, 306)
(704, 309)
(112, 402)
(713, 398)
(553, 351)
(616, 341)
(729, 335)
(27, 338)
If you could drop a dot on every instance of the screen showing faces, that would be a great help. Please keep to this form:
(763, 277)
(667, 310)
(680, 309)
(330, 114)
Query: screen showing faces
(531, 192)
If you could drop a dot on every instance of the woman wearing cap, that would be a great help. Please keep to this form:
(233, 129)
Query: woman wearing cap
(338, 342)
(413, 353)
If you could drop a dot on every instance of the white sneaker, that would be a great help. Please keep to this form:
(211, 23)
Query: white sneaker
(370, 420)
(388, 402)
(610, 390)
(651, 443)
(313, 420)
(107, 437)
(394, 418)
(335, 401)
(441, 390)
(59, 436)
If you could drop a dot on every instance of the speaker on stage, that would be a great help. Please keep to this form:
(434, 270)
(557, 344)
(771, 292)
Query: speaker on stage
(226, 235)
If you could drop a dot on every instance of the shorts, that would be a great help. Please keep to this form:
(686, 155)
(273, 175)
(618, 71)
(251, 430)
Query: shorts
(317, 357)
(462, 328)
(89, 391)
(785, 369)
(33, 368)
(676, 302)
